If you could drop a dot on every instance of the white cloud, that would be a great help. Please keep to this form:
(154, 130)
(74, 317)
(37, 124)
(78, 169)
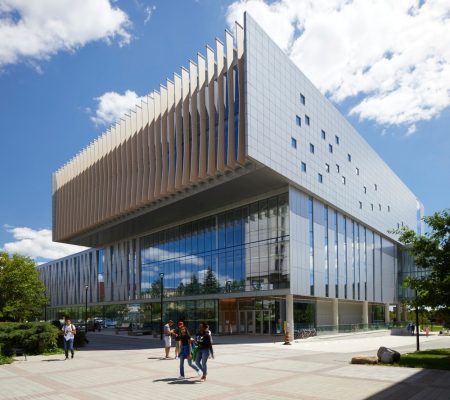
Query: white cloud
(112, 106)
(183, 258)
(394, 54)
(36, 30)
(148, 13)
(37, 244)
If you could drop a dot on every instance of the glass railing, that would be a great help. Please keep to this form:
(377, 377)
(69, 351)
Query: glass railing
(343, 328)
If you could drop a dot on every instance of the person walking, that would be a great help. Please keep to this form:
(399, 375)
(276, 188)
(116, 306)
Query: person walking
(168, 337)
(413, 328)
(203, 340)
(185, 342)
(177, 338)
(69, 332)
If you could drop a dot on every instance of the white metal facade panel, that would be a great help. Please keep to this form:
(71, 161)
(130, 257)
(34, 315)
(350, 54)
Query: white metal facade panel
(272, 104)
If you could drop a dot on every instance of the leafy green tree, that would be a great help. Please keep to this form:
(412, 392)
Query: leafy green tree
(431, 252)
(193, 287)
(22, 293)
(210, 284)
(180, 289)
(155, 290)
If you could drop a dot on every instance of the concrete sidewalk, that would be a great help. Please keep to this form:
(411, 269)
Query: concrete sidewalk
(310, 369)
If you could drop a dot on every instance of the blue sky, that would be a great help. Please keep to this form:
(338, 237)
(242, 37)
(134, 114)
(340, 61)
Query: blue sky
(52, 99)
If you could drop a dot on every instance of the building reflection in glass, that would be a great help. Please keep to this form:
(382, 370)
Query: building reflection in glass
(244, 249)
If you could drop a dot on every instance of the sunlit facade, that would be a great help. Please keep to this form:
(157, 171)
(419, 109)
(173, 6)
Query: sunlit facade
(242, 190)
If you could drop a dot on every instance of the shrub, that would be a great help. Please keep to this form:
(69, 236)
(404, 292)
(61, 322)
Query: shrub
(33, 337)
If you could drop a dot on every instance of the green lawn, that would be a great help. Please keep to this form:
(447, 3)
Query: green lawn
(431, 359)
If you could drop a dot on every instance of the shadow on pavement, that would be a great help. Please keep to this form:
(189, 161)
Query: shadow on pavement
(425, 384)
(176, 381)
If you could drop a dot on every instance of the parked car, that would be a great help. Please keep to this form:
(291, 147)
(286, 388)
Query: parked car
(109, 323)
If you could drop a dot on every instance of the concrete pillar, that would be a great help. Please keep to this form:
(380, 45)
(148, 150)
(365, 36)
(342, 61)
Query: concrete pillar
(335, 307)
(386, 313)
(365, 312)
(290, 315)
(399, 312)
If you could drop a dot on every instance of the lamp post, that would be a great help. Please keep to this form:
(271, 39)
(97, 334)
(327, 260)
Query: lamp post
(417, 324)
(85, 309)
(161, 277)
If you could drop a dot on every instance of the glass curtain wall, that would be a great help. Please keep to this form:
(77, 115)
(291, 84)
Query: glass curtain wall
(243, 249)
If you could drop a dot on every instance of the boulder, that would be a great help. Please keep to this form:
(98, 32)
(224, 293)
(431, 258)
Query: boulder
(364, 360)
(388, 356)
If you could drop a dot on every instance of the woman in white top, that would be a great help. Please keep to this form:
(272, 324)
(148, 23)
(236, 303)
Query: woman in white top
(69, 331)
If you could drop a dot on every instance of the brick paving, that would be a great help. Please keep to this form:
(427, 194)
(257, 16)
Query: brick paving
(122, 367)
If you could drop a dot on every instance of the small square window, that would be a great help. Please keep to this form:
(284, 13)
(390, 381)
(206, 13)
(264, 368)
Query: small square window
(311, 148)
(389, 208)
(324, 135)
(294, 143)
(320, 178)
(337, 168)
(375, 187)
(357, 171)
(307, 120)
(343, 180)
(298, 120)
(303, 167)
(336, 138)
(379, 207)
(330, 148)
(365, 189)
(302, 99)
(371, 206)
(360, 204)
(349, 157)
(327, 168)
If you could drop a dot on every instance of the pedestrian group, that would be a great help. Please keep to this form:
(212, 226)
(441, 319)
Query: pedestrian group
(196, 348)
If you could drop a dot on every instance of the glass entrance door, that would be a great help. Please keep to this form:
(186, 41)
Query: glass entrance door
(262, 322)
(250, 322)
(254, 322)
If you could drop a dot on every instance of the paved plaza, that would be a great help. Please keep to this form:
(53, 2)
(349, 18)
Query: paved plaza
(123, 367)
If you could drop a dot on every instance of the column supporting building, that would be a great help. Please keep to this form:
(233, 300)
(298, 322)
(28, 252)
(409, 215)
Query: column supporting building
(290, 315)
(399, 312)
(365, 313)
(387, 319)
(335, 306)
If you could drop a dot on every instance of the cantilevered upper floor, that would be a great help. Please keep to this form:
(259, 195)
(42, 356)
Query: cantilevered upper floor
(241, 121)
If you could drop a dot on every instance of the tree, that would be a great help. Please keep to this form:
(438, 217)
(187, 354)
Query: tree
(193, 287)
(431, 252)
(22, 293)
(155, 290)
(210, 284)
(180, 289)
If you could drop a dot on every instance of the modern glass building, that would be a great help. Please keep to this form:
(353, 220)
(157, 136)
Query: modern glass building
(240, 188)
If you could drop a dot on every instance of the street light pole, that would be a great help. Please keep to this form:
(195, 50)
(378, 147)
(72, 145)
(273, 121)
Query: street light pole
(85, 309)
(161, 277)
(417, 325)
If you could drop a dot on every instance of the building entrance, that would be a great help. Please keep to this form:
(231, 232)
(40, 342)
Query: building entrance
(254, 322)
(250, 316)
